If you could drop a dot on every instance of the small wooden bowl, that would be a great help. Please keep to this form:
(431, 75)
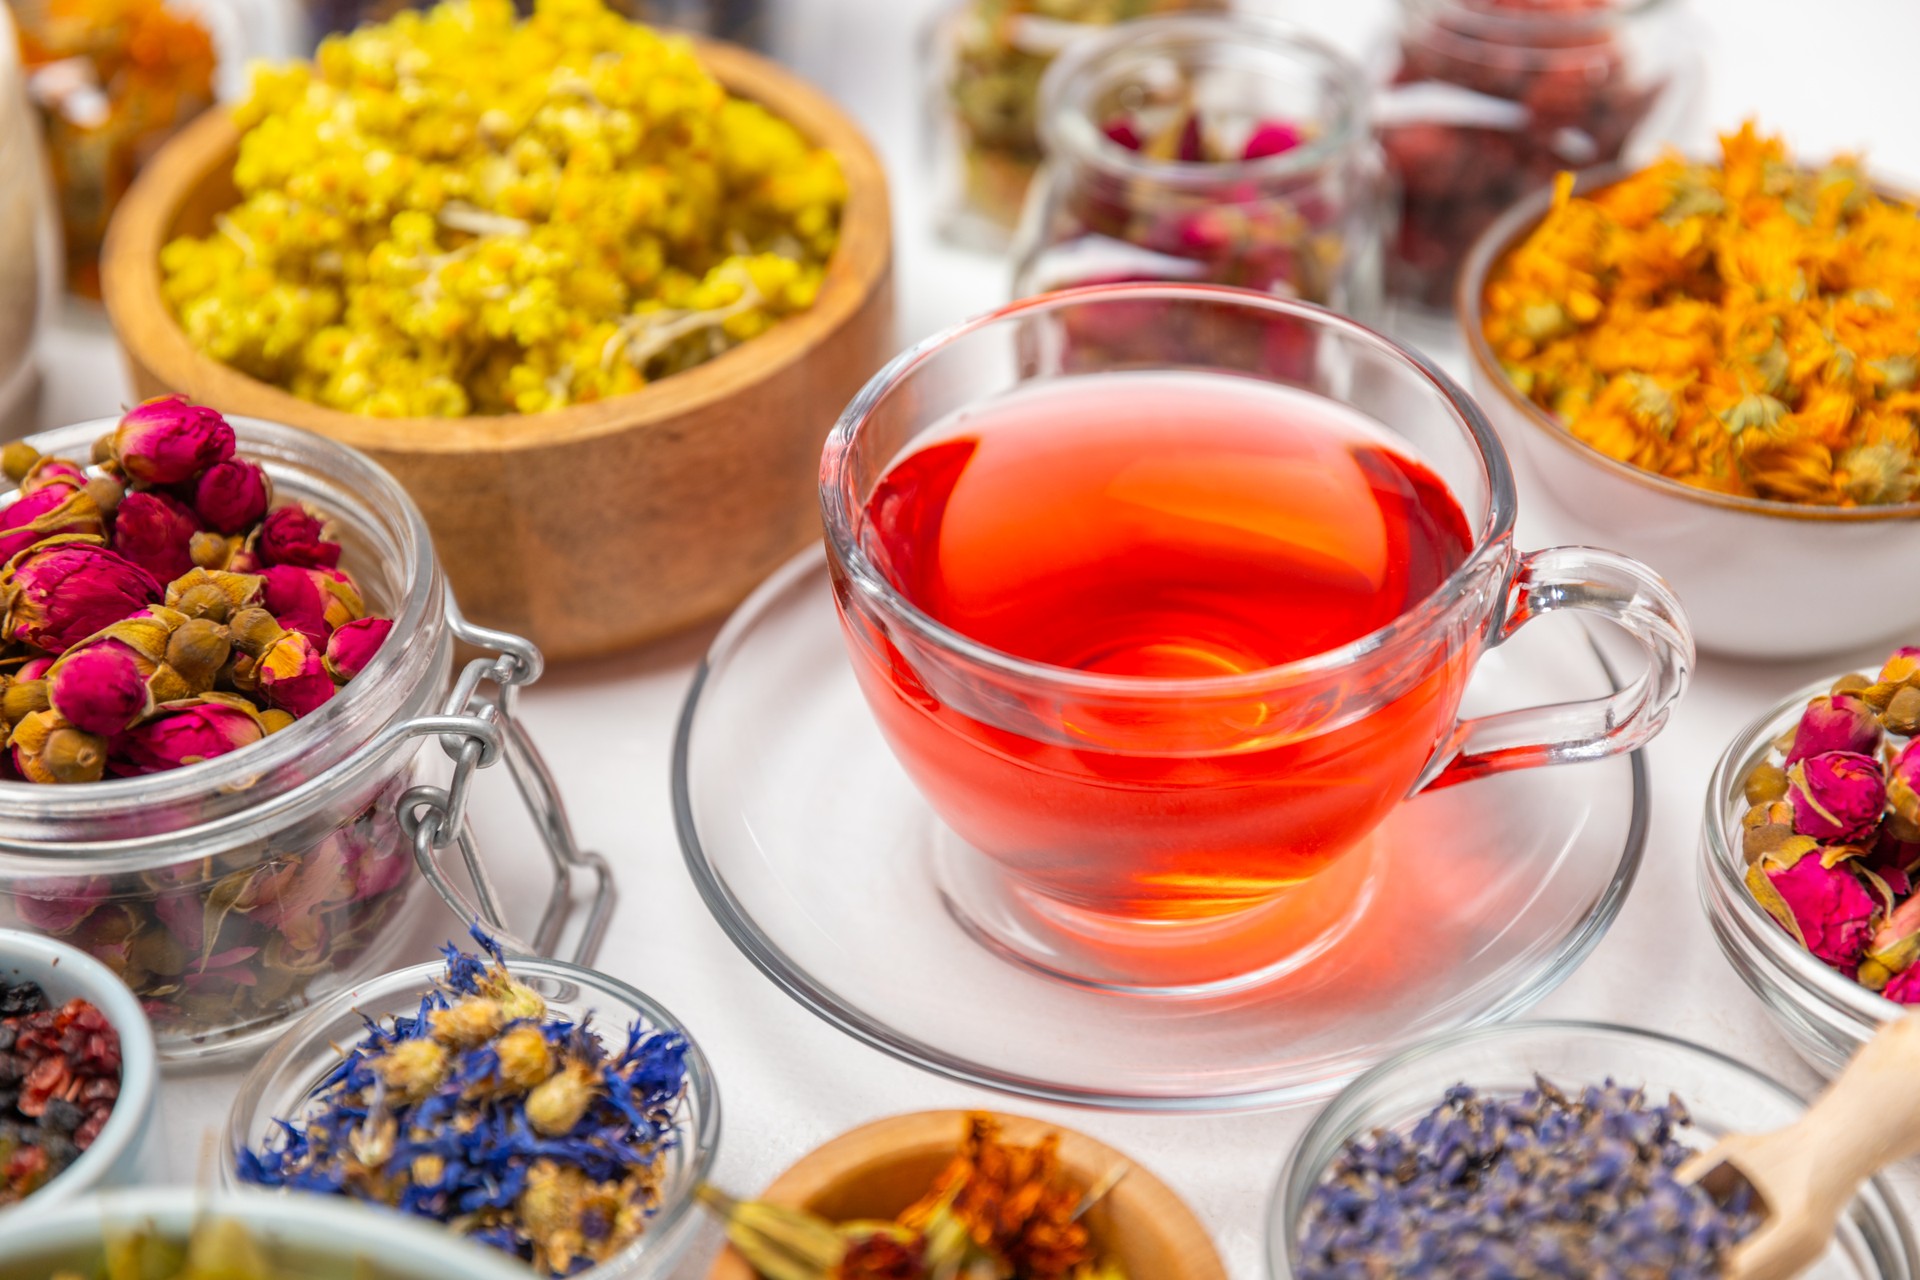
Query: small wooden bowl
(596, 527)
(879, 1169)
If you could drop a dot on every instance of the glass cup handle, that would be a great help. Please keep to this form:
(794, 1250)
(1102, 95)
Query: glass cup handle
(1627, 594)
(477, 730)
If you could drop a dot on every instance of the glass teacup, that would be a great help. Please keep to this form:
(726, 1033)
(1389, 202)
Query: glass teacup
(1194, 832)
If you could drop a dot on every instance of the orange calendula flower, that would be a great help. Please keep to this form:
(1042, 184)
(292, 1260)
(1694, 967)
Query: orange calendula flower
(1014, 1203)
(1751, 327)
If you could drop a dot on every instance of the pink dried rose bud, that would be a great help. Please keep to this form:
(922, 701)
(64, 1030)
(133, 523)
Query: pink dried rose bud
(65, 589)
(233, 496)
(33, 669)
(1825, 907)
(1836, 796)
(1835, 722)
(169, 441)
(1903, 787)
(54, 473)
(100, 689)
(1272, 138)
(311, 601)
(351, 647)
(155, 532)
(48, 513)
(293, 535)
(293, 676)
(1904, 987)
(46, 749)
(184, 733)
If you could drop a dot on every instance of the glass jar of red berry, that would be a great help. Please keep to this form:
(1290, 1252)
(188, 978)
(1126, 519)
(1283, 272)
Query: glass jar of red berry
(1219, 149)
(1489, 99)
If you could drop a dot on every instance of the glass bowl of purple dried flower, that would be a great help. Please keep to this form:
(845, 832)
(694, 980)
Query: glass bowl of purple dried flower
(1809, 855)
(224, 646)
(544, 1109)
(1543, 1149)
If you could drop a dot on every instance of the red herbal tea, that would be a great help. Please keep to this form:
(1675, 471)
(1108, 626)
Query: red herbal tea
(1151, 527)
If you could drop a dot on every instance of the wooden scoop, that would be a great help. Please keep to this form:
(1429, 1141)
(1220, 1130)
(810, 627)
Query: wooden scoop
(1805, 1175)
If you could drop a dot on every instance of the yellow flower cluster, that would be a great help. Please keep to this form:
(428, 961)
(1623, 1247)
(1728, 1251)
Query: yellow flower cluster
(1751, 328)
(459, 212)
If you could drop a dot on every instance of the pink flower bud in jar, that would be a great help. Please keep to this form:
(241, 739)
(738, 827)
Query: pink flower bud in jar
(233, 496)
(311, 601)
(1835, 722)
(168, 441)
(100, 689)
(187, 733)
(62, 591)
(1826, 907)
(48, 513)
(351, 647)
(295, 536)
(155, 532)
(293, 676)
(1836, 796)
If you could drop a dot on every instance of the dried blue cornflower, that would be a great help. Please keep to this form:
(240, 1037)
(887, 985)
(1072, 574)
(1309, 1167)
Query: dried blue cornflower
(488, 1113)
(1539, 1185)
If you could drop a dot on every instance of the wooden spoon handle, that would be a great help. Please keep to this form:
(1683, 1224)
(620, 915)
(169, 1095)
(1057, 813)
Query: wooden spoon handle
(1868, 1118)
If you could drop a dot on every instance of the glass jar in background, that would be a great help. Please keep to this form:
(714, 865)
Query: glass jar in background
(1489, 99)
(1214, 148)
(986, 58)
(113, 79)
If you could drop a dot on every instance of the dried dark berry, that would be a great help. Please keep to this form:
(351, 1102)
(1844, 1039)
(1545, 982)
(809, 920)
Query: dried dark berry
(59, 1080)
(19, 998)
(61, 1116)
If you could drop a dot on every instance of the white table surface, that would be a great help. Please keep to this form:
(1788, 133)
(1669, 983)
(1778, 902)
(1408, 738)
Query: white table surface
(1832, 75)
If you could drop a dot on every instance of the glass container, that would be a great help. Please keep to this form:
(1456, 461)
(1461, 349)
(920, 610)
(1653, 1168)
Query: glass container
(281, 1084)
(231, 893)
(985, 60)
(1489, 99)
(1723, 1096)
(1825, 1014)
(1221, 149)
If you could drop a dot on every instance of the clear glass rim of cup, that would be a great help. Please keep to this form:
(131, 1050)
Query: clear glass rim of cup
(843, 509)
(701, 1142)
(1790, 966)
(1335, 1123)
(1094, 64)
(367, 499)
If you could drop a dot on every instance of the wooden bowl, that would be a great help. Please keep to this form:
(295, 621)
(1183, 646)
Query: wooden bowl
(879, 1169)
(596, 527)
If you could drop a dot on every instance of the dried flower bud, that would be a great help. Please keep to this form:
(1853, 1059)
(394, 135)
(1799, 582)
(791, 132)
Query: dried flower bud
(467, 1023)
(66, 589)
(154, 532)
(214, 593)
(555, 1106)
(525, 1059)
(1766, 828)
(1903, 792)
(1904, 987)
(16, 458)
(1767, 782)
(1836, 796)
(1836, 722)
(352, 646)
(48, 513)
(169, 441)
(197, 650)
(1902, 715)
(46, 749)
(1825, 907)
(107, 493)
(233, 496)
(275, 719)
(1852, 682)
(294, 535)
(312, 601)
(101, 454)
(187, 733)
(100, 689)
(210, 550)
(1272, 138)
(293, 676)
(521, 1002)
(1895, 945)
(412, 1068)
(22, 698)
(254, 630)
(1901, 669)
(53, 473)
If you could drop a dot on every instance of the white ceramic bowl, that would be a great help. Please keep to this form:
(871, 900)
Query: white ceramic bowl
(119, 1155)
(318, 1227)
(1720, 552)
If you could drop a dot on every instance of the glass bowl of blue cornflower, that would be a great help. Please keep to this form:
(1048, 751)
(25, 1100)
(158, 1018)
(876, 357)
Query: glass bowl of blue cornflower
(1544, 1149)
(542, 1108)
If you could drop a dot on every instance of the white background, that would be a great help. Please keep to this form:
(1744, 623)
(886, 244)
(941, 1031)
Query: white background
(1831, 74)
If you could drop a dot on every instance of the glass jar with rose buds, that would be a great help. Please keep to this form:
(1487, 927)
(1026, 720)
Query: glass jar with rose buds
(1489, 99)
(1221, 149)
(223, 650)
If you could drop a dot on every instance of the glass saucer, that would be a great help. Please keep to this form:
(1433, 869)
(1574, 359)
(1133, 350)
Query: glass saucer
(820, 860)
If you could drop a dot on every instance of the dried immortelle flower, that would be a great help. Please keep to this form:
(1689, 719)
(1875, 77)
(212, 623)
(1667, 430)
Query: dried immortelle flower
(521, 1130)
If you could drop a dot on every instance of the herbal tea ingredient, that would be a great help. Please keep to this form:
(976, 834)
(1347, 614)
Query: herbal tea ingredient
(458, 212)
(157, 612)
(59, 1079)
(1751, 328)
(113, 80)
(1545, 1184)
(516, 1127)
(1832, 831)
(1001, 48)
(997, 1212)
(217, 1249)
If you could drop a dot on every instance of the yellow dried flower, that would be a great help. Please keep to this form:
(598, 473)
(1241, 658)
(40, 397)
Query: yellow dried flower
(1751, 328)
(555, 1105)
(459, 212)
(412, 1068)
(525, 1060)
(467, 1023)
